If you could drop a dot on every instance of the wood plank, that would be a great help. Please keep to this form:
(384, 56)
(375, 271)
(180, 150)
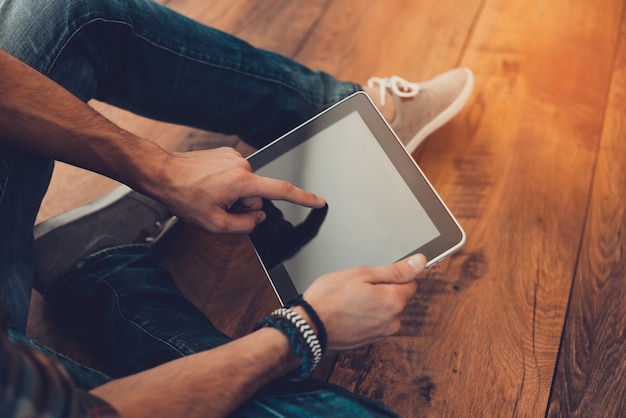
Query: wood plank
(590, 379)
(413, 39)
(481, 338)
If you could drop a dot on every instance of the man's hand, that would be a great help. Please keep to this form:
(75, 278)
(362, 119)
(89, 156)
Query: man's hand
(361, 305)
(216, 190)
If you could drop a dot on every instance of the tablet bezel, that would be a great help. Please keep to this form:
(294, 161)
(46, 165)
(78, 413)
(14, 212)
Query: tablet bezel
(451, 238)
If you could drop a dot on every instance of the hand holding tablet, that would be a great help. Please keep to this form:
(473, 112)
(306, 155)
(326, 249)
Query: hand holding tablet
(381, 208)
(364, 304)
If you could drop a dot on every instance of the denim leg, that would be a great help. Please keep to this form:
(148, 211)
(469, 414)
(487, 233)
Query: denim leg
(313, 399)
(24, 180)
(134, 317)
(125, 306)
(144, 57)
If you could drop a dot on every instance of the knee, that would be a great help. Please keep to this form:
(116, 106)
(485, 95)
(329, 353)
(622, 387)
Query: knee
(36, 31)
(30, 28)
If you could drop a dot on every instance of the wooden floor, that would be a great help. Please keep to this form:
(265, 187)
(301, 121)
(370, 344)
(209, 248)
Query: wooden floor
(529, 319)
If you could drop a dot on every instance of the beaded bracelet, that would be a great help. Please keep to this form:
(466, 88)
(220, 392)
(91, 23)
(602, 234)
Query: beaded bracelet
(300, 336)
(321, 330)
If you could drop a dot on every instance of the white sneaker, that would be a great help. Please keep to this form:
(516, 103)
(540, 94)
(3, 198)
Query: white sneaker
(421, 108)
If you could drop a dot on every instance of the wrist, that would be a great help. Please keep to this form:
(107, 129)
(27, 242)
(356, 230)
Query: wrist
(295, 326)
(144, 169)
(312, 318)
(284, 351)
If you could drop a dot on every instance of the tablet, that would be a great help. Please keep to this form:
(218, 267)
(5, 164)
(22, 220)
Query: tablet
(380, 206)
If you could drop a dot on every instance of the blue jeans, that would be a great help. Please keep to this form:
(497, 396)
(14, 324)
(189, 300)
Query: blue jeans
(143, 57)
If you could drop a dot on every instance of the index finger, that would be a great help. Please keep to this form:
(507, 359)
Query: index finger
(274, 189)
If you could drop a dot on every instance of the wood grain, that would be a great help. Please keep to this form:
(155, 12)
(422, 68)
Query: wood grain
(413, 39)
(590, 375)
(532, 167)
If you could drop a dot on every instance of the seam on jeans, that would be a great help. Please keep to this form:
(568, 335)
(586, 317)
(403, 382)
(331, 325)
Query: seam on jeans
(6, 181)
(94, 258)
(142, 329)
(165, 48)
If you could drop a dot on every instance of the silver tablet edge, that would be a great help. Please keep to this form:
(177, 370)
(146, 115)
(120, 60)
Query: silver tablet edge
(461, 243)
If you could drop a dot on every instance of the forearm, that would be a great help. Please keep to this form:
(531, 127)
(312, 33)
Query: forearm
(207, 384)
(39, 116)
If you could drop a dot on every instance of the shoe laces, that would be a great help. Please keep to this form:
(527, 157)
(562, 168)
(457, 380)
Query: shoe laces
(398, 86)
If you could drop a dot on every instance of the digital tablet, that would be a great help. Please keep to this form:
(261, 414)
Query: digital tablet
(380, 206)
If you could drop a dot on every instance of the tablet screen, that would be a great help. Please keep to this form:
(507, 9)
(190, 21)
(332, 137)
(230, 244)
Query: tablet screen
(356, 230)
(374, 215)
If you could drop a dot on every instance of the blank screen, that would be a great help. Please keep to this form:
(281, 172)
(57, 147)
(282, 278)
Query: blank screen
(373, 217)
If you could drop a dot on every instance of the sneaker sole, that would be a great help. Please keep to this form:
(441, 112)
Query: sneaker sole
(87, 209)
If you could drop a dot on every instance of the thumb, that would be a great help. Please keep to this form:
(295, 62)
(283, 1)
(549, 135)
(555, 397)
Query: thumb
(403, 271)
